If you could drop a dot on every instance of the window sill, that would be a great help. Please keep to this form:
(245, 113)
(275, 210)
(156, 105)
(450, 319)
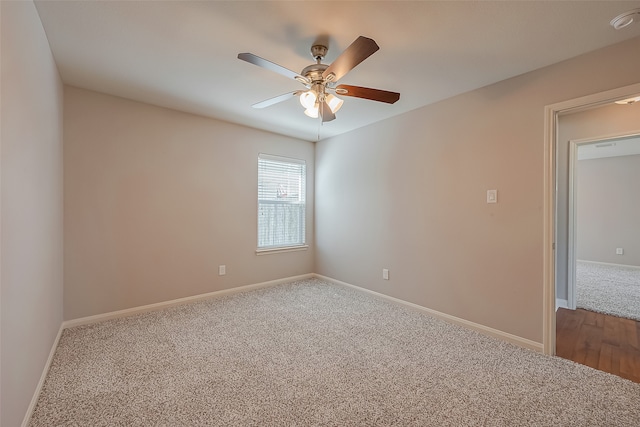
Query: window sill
(268, 251)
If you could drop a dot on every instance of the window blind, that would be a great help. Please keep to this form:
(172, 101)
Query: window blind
(281, 202)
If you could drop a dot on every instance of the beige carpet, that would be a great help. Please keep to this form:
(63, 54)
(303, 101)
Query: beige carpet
(608, 289)
(315, 354)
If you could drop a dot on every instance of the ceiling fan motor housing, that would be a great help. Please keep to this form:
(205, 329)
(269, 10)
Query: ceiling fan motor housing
(314, 72)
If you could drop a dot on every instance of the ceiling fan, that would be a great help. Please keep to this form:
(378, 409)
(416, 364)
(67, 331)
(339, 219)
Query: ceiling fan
(321, 80)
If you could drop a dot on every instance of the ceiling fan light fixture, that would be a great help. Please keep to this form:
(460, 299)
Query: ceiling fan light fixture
(308, 99)
(334, 103)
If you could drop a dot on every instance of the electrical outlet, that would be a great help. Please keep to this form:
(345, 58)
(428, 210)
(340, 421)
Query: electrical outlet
(222, 270)
(619, 251)
(492, 196)
(385, 274)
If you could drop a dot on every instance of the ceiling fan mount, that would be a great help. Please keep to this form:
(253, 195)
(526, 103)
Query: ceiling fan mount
(319, 51)
(320, 79)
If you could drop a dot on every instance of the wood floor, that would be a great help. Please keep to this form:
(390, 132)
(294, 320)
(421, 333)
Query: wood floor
(604, 342)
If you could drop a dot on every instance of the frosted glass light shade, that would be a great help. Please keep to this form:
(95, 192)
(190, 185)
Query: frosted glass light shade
(312, 112)
(334, 103)
(308, 99)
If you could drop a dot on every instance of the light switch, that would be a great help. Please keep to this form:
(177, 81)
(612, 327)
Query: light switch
(492, 196)
(385, 274)
(222, 270)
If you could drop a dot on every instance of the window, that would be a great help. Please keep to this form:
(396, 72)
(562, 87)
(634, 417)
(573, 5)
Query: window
(281, 202)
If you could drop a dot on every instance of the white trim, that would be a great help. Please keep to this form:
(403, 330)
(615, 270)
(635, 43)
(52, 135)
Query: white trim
(571, 225)
(267, 251)
(636, 267)
(281, 159)
(562, 303)
(166, 304)
(43, 376)
(549, 232)
(485, 330)
(550, 141)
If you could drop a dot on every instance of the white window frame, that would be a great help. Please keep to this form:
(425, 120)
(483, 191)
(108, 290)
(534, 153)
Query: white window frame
(300, 244)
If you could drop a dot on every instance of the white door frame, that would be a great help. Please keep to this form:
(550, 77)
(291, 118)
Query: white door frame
(551, 114)
(573, 207)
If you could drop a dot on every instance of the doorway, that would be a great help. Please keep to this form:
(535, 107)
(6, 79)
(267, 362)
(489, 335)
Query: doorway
(601, 326)
(555, 238)
(606, 343)
(603, 262)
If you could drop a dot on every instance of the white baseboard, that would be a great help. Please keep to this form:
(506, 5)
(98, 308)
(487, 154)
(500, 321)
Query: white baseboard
(495, 333)
(166, 304)
(43, 376)
(561, 303)
(610, 263)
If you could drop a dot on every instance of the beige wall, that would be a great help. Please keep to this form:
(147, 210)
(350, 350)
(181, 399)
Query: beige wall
(156, 199)
(409, 194)
(608, 207)
(31, 213)
(598, 122)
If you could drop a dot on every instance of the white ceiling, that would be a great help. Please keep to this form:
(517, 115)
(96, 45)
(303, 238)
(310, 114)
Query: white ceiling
(183, 54)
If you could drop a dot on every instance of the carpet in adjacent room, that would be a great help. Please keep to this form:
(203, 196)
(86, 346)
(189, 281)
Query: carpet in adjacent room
(609, 289)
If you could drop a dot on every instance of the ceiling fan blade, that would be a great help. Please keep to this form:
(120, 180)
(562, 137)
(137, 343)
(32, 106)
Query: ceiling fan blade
(358, 51)
(326, 113)
(260, 62)
(368, 93)
(276, 99)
